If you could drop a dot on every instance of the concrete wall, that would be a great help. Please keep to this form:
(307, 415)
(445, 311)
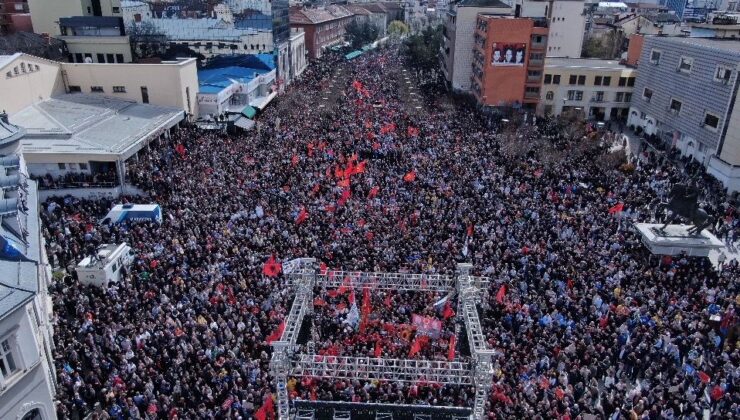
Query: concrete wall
(729, 151)
(95, 45)
(24, 89)
(45, 14)
(505, 84)
(168, 84)
(91, 193)
(567, 27)
(465, 43)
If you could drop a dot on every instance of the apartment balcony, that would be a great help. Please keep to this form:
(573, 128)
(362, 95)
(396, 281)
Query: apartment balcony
(534, 79)
(532, 95)
(536, 63)
(538, 46)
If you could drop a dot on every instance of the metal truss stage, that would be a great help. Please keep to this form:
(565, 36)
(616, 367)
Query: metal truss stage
(335, 410)
(303, 275)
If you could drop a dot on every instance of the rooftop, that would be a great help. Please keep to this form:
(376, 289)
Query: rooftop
(483, 3)
(318, 15)
(718, 44)
(91, 124)
(208, 29)
(20, 250)
(216, 80)
(580, 63)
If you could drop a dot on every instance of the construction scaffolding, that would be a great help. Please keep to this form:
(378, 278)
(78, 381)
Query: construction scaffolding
(303, 276)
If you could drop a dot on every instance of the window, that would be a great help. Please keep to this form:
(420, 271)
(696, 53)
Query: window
(619, 97)
(23, 67)
(549, 95)
(572, 79)
(78, 58)
(647, 94)
(62, 166)
(74, 89)
(581, 80)
(711, 122)
(675, 106)
(119, 58)
(631, 81)
(655, 57)
(116, 9)
(88, 58)
(622, 81)
(607, 81)
(599, 96)
(628, 97)
(723, 74)
(9, 74)
(83, 166)
(575, 95)
(685, 64)
(34, 414)
(7, 360)
(119, 89)
(137, 17)
(548, 79)
(597, 81)
(144, 95)
(109, 58)
(15, 70)
(556, 79)
(96, 89)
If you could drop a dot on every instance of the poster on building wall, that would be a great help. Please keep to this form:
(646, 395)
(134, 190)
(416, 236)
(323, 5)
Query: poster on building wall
(506, 54)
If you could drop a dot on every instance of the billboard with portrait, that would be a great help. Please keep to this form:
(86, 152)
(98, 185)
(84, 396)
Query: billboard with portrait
(508, 54)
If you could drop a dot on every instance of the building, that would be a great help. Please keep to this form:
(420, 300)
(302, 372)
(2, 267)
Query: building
(45, 14)
(232, 84)
(672, 100)
(726, 26)
(597, 89)
(14, 17)
(298, 54)
(95, 39)
(27, 375)
(323, 26)
(458, 42)
(27, 80)
(567, 27)
(650, 24)
(508, 60)
(362, 15)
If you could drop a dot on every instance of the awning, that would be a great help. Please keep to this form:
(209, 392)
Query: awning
(262, 101)
(249, 112)
(353, 54)
(244, 123)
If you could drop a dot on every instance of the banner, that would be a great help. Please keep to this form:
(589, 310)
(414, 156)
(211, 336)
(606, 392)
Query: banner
(426, 325)
(509, 54)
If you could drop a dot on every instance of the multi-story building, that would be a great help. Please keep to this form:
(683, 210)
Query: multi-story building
(597, 89)
(458, 42)
(686, 95)
(567, 26)
(324, 26)
(45, 14)
(27, 376)
(95, 39)
(14, 17)
(508, 60)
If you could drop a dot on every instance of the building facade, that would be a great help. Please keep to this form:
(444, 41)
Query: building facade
(458, 42)
(95, 39)
(597, 89)
(508, 61)
(323, 26)
(45, 14)
(672, 99)
(14, 17)
(27, 374)
(567, 27)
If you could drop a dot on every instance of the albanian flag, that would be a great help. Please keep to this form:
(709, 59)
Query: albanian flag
(410, 177)
(302, 216)
(451, 350)
(617, 208)
(373, 192)
(501, 294)
(271, 267)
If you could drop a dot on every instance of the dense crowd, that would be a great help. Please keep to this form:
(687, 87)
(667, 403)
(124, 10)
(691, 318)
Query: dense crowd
(76, 180)
(582, 319)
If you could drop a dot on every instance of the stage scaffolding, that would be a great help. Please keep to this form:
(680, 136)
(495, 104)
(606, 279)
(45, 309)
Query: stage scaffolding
(303, 276)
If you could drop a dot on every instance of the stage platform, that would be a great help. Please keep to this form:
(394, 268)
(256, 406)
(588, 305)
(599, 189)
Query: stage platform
(677, 240)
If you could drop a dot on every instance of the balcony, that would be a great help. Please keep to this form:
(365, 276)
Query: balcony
(532, 95)
(538, 62)
(534, 79)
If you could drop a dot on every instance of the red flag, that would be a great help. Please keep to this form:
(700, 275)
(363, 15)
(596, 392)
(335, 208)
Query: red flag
(346, 195)
(319, 302)
(269, 405)
(344, 183)
(294, 160)
(604, 320)
(230, 296)
(227, 404)
(413, 131)
(447, 312)
(373, 192)
(338, 172)
(471, 229)
(451, 350)
(559, 393)
(378, 349)
(544, 382)
(410, 177)
(310, 149)
(617, 208)
(360, 168)
(352, 297)
(314, 397)
(501, 294)
(302, 216)
(703, 377)
(345, 285)
(419, 342)
(271, 267)
(180, 149)
(276, 334)
(323, 268)
(260, 414)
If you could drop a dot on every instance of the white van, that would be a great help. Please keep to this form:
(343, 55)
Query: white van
(105, 266)
(133, 212)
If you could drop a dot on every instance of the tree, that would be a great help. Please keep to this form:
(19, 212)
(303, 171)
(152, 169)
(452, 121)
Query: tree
(607, 46)
(360, 34)
(397, 29)
(422, 49)
(146, 41)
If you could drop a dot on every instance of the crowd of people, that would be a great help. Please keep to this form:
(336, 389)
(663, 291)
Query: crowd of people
(583, 320)
(105, 179)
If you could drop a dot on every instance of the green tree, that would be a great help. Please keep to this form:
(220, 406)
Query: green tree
(397, 29)
(422, 49)
(146, 41)
(360, 34)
